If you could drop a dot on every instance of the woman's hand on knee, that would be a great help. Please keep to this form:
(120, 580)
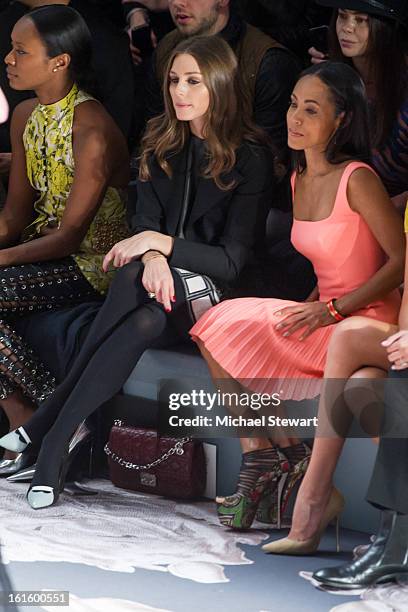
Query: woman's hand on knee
(397, 349)
(308, 315)
(127, 250)
(158, 280)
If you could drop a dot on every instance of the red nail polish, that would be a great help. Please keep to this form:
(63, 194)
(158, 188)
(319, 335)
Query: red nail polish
(173, 299)
(168, 309)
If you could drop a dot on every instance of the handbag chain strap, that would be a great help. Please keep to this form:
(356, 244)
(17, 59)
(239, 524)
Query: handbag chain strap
(176, 449)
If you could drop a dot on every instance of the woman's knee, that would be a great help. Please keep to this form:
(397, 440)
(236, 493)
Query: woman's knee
(349, 329)
(352, 336)
(128, 275)
(150, 322)
(127, 285)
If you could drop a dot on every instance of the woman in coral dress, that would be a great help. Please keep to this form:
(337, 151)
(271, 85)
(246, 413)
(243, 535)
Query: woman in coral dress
(345, 224)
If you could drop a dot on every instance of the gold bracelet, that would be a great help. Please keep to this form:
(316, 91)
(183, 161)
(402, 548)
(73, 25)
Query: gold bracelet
(152, 255)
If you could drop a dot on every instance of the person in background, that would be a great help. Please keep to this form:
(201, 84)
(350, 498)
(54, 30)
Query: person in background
(152, 14)
(287, 21)
(371, 37)
(64, 208)
(147, 22)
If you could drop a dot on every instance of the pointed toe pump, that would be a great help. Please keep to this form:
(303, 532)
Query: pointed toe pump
(45, 495)
(10, 467)
(287, 546)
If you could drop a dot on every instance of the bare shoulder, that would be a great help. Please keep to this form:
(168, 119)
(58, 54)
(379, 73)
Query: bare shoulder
(92, 114)
(364, 187)
(99, 143)
(89, 110)
(22, 112)
(93, 124)
(363, 178)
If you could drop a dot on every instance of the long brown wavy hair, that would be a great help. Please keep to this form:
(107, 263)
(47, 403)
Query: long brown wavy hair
(225, 125)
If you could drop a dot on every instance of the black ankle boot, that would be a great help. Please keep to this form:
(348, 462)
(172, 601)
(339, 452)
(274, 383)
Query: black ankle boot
(386, 560)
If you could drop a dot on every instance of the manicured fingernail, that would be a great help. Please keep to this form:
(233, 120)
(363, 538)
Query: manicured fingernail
(173, 299)
(168, 309)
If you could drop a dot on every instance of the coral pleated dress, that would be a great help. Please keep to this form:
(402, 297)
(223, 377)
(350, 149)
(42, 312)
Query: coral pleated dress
(240, 334)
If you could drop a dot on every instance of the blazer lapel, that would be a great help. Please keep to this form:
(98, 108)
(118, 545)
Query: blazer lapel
(209, 195)
(170, 191)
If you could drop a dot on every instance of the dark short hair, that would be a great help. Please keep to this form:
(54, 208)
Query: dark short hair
(352, 138)
(63, 30)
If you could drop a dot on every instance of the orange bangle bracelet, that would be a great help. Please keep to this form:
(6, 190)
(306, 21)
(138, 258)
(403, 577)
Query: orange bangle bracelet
(333, 311)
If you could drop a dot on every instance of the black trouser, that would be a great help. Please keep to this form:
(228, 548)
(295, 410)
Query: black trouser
(27, 289)
(388, 487)
(127, 324)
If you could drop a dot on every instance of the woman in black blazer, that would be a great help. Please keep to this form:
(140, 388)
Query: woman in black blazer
(205, 182)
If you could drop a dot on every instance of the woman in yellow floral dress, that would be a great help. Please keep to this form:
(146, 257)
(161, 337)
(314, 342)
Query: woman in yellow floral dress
(63, 211)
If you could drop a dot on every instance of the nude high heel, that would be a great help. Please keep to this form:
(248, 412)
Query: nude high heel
(286, 546)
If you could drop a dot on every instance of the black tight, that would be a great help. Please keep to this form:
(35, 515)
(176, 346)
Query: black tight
(127, 324)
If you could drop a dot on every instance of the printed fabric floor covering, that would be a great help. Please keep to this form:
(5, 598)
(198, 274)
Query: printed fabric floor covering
(153, 533)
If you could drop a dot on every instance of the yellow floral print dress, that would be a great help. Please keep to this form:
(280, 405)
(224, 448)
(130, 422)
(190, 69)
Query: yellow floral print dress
(50, 168)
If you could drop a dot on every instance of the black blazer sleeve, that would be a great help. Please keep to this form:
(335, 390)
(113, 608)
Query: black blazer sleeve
(245, 218)
(148, 211)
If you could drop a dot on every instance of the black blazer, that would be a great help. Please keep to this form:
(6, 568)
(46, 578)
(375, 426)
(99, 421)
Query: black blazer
(223, 226)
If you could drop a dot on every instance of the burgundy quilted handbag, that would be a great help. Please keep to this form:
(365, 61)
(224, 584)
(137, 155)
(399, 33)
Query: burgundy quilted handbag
(143, 460)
